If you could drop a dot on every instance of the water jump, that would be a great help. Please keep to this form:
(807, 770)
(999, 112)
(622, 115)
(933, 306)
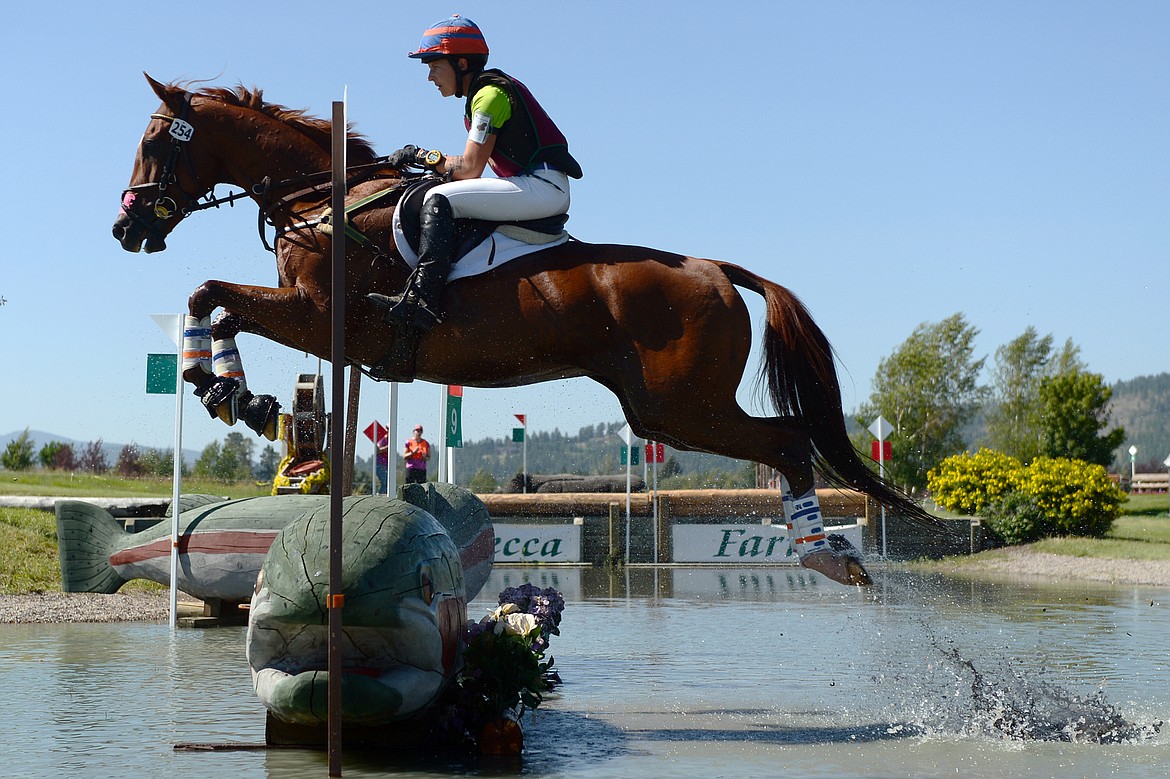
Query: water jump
(668, 334)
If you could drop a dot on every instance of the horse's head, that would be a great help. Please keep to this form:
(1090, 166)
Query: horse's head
(165, 183)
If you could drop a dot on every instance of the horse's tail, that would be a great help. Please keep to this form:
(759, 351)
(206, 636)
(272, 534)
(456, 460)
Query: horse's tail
(802, 382)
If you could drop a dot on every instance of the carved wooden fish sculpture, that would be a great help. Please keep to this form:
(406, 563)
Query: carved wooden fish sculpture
(221, 545)
(408, 573)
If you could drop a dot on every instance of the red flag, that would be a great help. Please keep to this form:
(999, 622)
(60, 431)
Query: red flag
(521, 418)
(375, 431)
(881, 450)
(655, 452)
(455, 390)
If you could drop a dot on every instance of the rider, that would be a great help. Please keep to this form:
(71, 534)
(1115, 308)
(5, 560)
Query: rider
(508, 130)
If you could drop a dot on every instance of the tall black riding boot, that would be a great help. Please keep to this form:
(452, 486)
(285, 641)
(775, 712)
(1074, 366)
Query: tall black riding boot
(417, 307)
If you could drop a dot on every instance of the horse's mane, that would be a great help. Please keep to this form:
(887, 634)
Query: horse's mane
(316, 129)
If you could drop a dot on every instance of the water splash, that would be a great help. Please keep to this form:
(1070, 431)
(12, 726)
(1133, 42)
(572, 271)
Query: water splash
(1023, 709)
(995, 696)
(1024, 706)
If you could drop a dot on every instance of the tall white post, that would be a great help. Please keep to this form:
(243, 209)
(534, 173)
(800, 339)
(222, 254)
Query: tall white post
(178, 475)
(654, 498)
(173, 325)
(881, 429)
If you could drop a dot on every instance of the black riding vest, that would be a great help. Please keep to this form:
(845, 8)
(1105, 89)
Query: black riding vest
(529, 137)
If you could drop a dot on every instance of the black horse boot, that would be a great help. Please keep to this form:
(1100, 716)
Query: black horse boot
(416, 310)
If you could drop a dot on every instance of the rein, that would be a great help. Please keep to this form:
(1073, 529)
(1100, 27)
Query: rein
(165, 207)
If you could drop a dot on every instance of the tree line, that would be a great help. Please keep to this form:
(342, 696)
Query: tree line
(1042, 401)
(232, 460)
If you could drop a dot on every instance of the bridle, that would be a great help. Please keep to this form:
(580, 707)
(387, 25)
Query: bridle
(165, 207)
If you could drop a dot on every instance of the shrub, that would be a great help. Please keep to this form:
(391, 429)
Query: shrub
(1049, 497)
(130, 462)
(64, 459)
(1077, 497)
(18, 454)
(48, 453)
(967, 483)
(1016, 518)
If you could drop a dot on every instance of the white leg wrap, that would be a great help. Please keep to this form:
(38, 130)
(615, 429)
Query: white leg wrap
(803, 518)
(227, 361)
(197, 343)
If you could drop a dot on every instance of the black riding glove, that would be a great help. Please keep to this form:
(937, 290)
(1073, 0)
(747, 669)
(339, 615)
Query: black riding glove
(407, 155)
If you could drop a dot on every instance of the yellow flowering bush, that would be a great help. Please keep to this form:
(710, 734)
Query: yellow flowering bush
(1049, 497)
(967, 483)
(1077, 498)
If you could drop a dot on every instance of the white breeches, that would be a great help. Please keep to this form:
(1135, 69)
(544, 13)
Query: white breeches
(544, 193)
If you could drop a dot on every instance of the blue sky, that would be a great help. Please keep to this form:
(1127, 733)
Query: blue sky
(891, 162)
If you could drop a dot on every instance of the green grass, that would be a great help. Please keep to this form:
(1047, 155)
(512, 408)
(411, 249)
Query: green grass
(1132, 538)
(28, 554)
(59, 484)
(28, 537)
(1146, 505)
(28, 551)
(1140, 538)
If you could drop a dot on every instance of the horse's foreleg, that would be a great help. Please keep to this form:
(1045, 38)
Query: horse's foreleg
(220, 381)
(212, 363)
(261, 413)
(718, 425)
(197, 363)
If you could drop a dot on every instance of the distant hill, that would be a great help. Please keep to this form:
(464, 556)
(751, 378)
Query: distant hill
(111, 450)
(1142, 407)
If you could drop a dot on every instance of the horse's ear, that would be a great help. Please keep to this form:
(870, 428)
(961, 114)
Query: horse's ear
(159, 88)
(165, 93)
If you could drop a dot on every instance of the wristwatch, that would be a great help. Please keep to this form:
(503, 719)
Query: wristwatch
(432, 158)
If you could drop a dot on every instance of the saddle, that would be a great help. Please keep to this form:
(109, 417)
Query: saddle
(398, 364)
(469, 233)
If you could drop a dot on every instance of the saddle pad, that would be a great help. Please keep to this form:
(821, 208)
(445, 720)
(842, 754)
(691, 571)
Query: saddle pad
(489, 253)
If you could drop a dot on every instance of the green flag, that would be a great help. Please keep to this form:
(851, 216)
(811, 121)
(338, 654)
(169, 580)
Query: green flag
(454, 421)
(517, 435)
(626, 454)
(162, 372)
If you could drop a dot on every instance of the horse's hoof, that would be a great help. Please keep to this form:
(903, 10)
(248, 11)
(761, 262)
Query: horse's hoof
(220, 400)
(262, 414)
(841, 568)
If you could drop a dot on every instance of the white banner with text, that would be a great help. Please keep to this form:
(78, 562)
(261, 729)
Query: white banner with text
(742, 543)
(538, 543)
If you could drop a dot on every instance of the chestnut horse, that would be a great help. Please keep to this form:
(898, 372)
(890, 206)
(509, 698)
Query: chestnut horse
(669, 335)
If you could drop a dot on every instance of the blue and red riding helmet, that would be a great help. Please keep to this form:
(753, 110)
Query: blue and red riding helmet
(452, 36)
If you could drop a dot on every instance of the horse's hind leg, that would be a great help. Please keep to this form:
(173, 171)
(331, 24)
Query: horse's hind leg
(828, 553)
(780, 442)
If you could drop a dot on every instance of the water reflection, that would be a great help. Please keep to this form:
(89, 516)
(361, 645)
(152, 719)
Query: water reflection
(688, 672)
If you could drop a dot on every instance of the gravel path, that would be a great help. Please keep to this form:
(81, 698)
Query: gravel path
(90, 607)
(1155, 573)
